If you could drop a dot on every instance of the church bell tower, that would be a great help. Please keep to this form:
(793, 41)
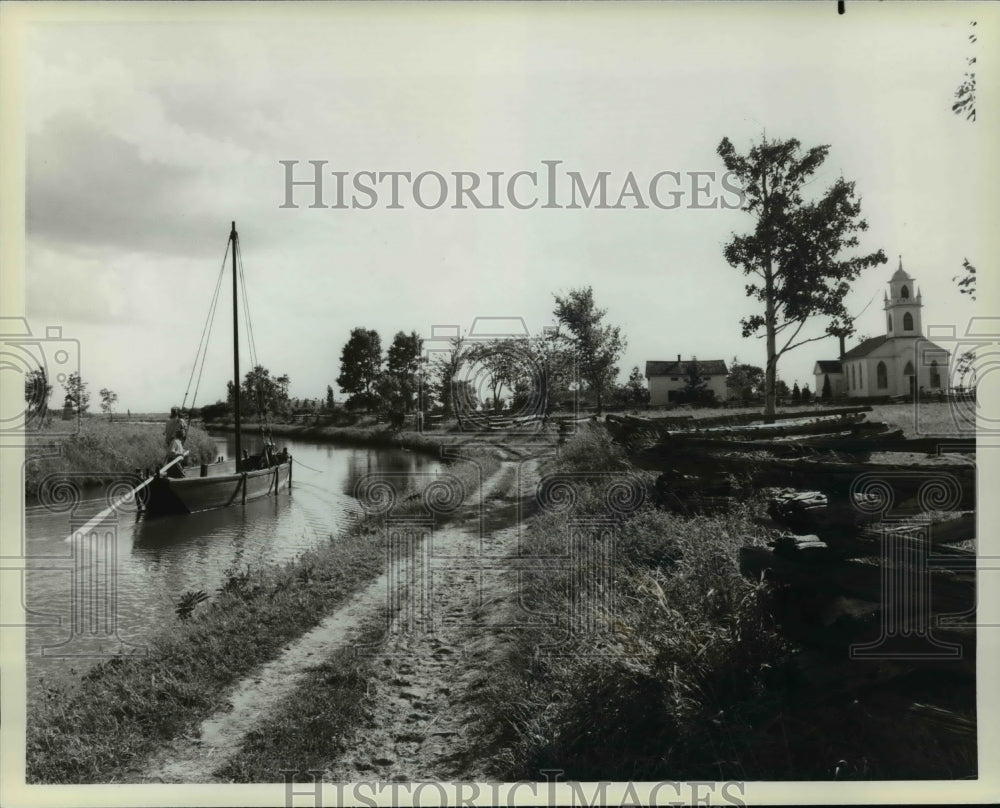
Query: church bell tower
(902, 306)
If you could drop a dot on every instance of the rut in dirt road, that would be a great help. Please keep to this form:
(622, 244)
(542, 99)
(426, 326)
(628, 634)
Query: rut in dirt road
(418, 679)
(419, 711)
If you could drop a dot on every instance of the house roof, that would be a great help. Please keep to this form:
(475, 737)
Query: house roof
(829, 366)
(865, 347)
(706, 367)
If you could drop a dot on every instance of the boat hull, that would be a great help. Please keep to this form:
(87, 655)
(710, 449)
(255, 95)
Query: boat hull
(192, 494)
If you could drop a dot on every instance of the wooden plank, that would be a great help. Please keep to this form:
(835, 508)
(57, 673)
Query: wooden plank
(950, 592)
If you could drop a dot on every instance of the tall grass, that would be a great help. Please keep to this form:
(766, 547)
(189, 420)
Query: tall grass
(101, 448)
(686, 675)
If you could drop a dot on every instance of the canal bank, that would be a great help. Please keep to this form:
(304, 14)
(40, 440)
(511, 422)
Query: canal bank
(128, 706)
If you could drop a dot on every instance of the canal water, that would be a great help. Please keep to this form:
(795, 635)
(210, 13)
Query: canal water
(144, 567)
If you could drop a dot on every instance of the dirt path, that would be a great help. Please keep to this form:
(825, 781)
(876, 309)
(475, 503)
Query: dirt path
(428, 660)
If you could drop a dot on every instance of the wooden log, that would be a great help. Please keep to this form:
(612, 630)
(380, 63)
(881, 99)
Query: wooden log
(950, 592)
(861, 440)
(816, 426)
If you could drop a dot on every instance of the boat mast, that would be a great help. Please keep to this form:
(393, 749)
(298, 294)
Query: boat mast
(236, 355)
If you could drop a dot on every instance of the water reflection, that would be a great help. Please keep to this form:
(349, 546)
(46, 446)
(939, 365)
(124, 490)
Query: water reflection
(158, 560)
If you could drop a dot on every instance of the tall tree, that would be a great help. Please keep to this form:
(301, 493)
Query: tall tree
(329, 398)
(637, 392)
(795, 249)
(445, 368)
(695, 390)
(596, 347)
(965, 95)
(360, 365)
(967, 283)
(261, 393)
(108, 399)
(503, 361)
(404, 362)
(77, 397)
(745, 382)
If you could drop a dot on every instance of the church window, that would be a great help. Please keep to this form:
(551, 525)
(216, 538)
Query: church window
(881, 376)
(935, 374)
(908, 370)
(854, 380)
(904, 292)
(888, 322)
(907, 322)
(861, 375)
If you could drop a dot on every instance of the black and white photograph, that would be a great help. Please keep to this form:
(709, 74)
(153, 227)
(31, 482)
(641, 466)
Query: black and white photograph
(418, 403)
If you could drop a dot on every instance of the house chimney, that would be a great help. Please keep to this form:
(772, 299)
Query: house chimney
(678, 357)
(842, 352)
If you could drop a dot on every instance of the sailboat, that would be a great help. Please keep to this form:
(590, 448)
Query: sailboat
(226, 482)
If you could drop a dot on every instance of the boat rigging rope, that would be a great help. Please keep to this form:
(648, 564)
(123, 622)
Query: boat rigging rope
(206, 333)
(264, 426)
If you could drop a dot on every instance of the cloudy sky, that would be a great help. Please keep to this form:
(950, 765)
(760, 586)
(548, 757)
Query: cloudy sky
(145, 137)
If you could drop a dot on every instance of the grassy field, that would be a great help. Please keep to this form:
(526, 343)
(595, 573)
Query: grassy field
(689, 677)
(101, 447)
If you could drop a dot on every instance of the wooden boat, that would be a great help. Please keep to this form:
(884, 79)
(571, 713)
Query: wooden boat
(227, 482)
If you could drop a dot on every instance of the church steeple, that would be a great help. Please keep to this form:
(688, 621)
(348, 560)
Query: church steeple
(902, 306)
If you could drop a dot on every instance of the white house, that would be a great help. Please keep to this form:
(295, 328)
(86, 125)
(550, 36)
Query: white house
(900, 362)
(667, 378)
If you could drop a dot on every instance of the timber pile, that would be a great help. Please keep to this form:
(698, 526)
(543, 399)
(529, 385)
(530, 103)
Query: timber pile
(866, 567)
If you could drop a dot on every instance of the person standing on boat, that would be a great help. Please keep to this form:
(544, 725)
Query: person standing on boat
(174, 423)
(175, 450)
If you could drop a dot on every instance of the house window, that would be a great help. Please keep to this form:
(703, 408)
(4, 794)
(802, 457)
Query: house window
(675, 378)
(935, 374)
(854, 379)
(881, 376)
(904, 292)
(907, 322)
(861, 375)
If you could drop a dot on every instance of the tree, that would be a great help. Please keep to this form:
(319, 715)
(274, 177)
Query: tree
(444, 369)
(502, 361)
(967, 284)
(261, 393)
(635, 390)
(546, 371)
(360, 366)
(781, 389)
(108, 399)
(36, 393)
(806, 394)
(745, 382)
(965, 95)
(796, 393)
(404, 362)
(794, 250)
(596, 347)
(77, 397)
(329, 398)
(827, 393)
(695, 390)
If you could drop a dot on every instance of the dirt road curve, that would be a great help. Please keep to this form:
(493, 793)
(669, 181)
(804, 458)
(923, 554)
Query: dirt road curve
(415, 723)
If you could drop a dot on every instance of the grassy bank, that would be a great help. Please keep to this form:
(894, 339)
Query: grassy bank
(689, 678)
(372, 434)
(101, 729)
(101, 448)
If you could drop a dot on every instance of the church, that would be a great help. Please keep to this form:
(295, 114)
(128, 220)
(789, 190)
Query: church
(899, 363)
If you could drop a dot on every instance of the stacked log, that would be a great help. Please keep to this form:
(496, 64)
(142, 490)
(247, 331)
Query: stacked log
(866, 576)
